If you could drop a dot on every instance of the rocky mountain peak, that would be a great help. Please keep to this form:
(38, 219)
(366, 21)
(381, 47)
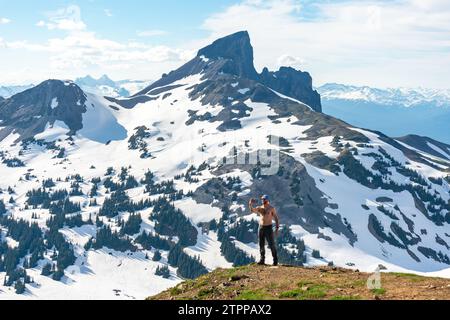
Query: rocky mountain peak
(28, 112)
(236, 48)
(233, 55)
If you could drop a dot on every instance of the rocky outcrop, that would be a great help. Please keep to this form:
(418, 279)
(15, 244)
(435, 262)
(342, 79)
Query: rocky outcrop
(427, 145)
(293, 83)
(237, 49)
(29, 112)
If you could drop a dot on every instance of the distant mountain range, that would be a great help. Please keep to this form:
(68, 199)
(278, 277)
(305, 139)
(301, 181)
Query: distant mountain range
(9, 91)
(102, 86)
(106, 87)
(396, 112)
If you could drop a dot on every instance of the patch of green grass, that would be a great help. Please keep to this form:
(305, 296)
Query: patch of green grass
(175, 291)
(234, 272)
(253, 295)
(188, 283)
(273, 285)
(185, 299)
(291, 293)
(379, 292)
(345, 298)
(359, 283)
(410, 276)
(205, 293)
(314, 292)
(243, 268)
(201, 283)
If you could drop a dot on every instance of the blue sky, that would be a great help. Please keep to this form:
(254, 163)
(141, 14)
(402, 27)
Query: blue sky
(368, 42)
(115, 19)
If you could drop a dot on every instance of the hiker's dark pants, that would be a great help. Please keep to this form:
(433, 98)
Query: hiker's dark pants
(266, 233)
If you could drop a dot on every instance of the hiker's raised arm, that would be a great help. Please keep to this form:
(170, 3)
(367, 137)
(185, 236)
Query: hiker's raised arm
(251, 207)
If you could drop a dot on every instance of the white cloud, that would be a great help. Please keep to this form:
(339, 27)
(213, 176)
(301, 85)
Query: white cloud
(364, 42)
(432, 5)
(151, 33)
(81, 49)
(68, 19)
(5, 20)
(290, 61)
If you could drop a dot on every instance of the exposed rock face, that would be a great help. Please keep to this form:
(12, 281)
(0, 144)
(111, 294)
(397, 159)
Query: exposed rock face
(427, 145)
(293, 83)
(29, 112)
(237, 49)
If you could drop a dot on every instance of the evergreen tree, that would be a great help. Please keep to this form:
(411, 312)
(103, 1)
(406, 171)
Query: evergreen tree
(19, 287)
(58, 275)
(47, 270)
(188, 267)
(94, 191)
(106, 238)
(149, 241)
(172, 222)
(132, 226)
(75, 221)
(98, 222)
(65, 254)
(157, 256)
(163, 272)
(148, 178)
(37, 197)
(234, 254)
(118, 202)
(48, 183)
(2, 208)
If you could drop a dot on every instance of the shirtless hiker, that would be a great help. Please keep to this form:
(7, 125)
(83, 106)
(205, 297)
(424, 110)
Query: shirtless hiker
(267, 214)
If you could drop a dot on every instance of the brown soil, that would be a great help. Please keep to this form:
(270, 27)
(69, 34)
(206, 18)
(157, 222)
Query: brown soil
(323, 283)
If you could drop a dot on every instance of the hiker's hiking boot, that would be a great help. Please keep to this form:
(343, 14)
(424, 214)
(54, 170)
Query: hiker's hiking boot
(261, 263)
(275, 263)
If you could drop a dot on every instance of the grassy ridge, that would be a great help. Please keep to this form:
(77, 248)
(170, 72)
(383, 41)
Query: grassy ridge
(254, 282)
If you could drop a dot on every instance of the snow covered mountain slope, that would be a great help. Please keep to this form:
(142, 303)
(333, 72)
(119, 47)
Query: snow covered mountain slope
(60, 104)
(427, 145)
(396, 112)
(162, 196)
(104, 86)
(406, 97)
